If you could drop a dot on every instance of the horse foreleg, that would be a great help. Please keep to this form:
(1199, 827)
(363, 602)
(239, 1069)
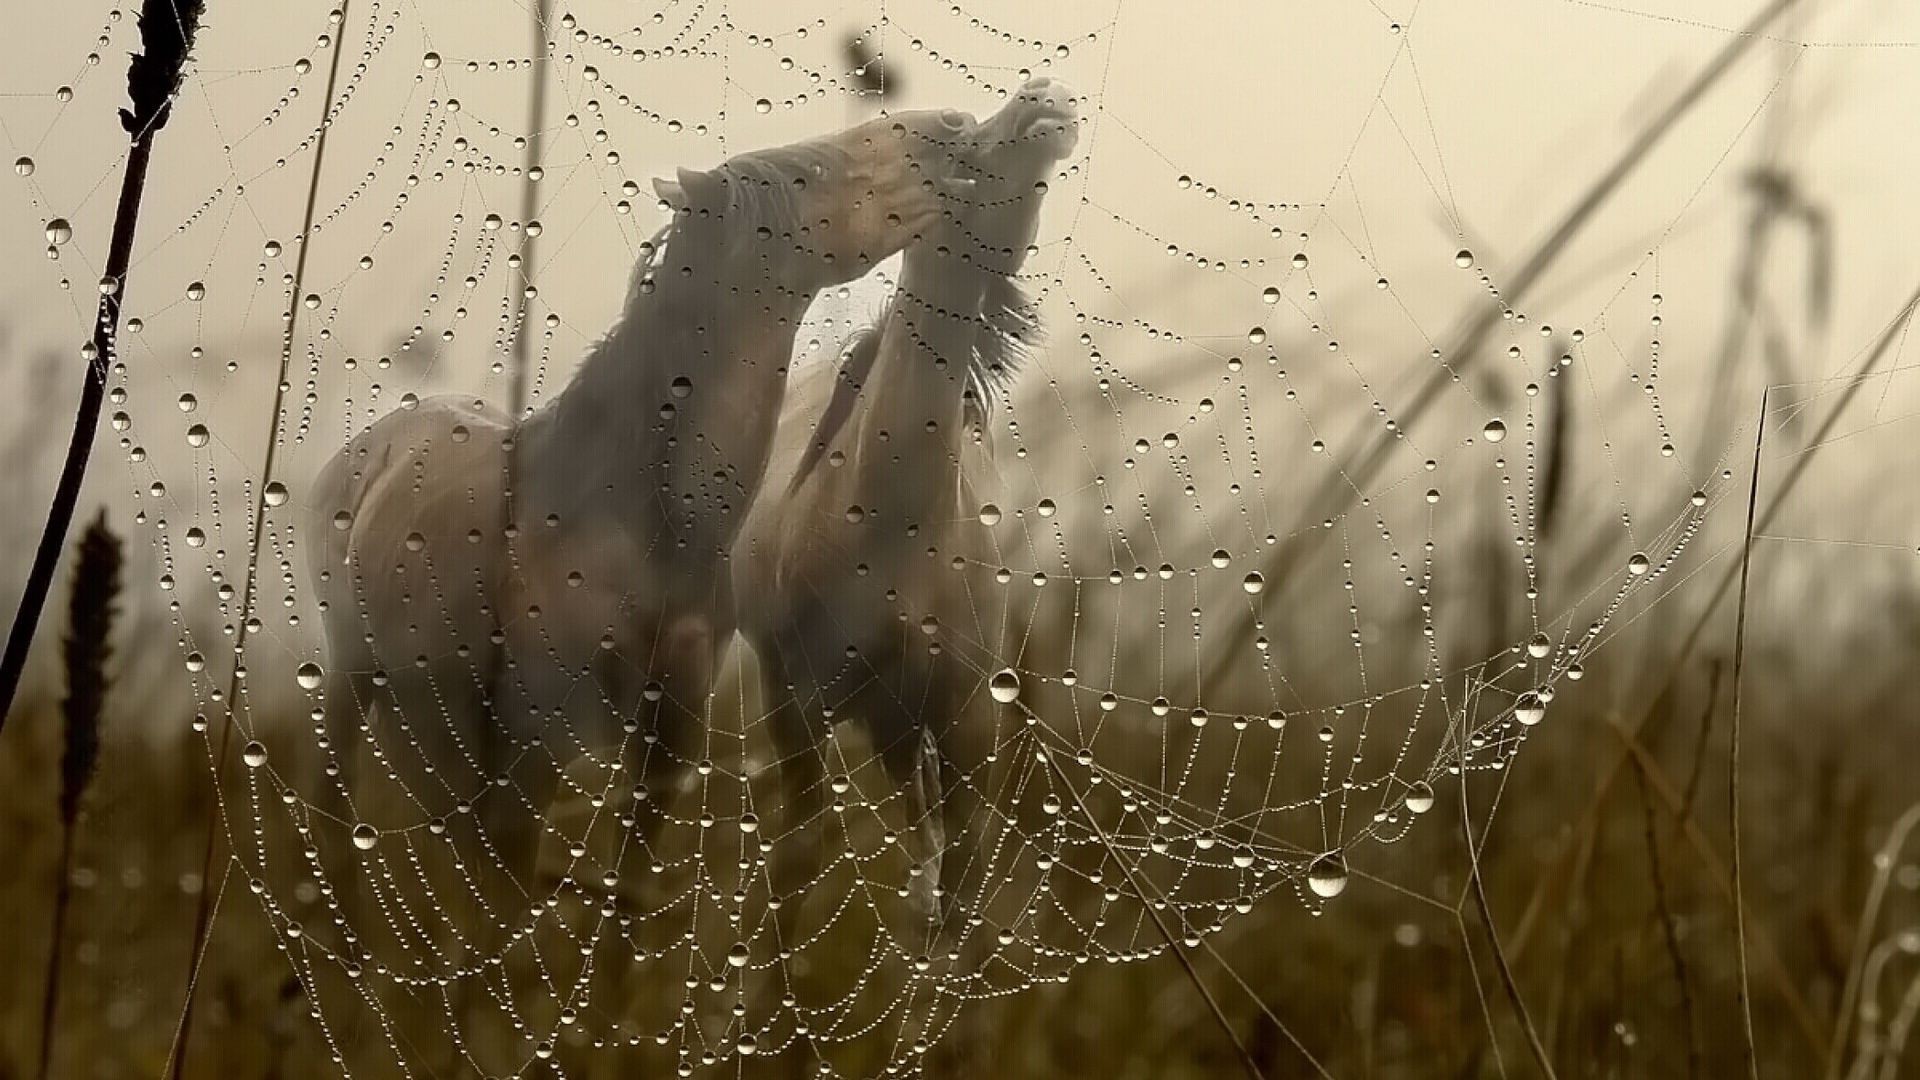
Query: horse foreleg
(912, 761)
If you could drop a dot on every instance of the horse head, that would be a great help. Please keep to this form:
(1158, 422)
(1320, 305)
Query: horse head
(823, 211)
(1008, 157)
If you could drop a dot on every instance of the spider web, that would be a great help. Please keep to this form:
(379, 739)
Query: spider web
(1248, 599)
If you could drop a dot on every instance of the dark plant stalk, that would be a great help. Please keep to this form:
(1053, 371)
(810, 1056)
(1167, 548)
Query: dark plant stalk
(1139, 890)
(1338, 493)
(1733, 749)
(167, 29)
(1669, 929)
(538, 15)
(530, 204)
(1479, 890)
(1559, 433)
(203, 912)
(90, 612)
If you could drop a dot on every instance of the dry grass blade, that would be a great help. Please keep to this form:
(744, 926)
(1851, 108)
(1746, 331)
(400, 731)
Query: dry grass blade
(1140, 890)
(167, 29)
(1885, 861)
(1669, 927)
(1340, 489)
(203, 914)
(1733, 750)
(1479, 891)
(91, 611)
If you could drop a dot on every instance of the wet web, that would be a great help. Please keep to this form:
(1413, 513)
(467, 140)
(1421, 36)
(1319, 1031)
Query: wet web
(1230, 603)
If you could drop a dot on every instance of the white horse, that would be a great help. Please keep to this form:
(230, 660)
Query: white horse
(481, 637)
(855, 615)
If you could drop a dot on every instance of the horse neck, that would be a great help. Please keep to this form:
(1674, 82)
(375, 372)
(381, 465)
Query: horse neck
(920, 375)
(604, 446)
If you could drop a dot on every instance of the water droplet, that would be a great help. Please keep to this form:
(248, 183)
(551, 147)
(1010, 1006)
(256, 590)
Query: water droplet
(1420, 797)
(737, 956)
(430, 61)
(1529, 709)
(681, 387)
(763, 106)
(309, 676)
(1540, 646)
(1271, 295)
(1639, 564)
(197, 291)
(1463, 259)
(1004, 686)
(1327, 875)
(254, 754)
(59, 231)
(989, 514)
(196, 662)
(23, 166)
(1495, 431)
(276, 493)
(1253, 583)
(198, 435)
(365, 836)
(491, 222)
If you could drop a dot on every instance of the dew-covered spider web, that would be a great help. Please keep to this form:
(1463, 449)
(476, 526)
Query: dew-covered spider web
(1277, 486)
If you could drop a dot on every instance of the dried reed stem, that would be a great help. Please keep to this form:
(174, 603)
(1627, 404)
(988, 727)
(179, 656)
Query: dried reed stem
(1346, 485)
(90, 612)
(1479, 890)
(1733, 748)
(1140, 890)
(203, 913)
(167, 29)
(1669, 929)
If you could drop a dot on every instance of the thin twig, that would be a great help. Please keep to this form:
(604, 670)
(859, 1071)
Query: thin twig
(1692, 790)
(1140, 890)
(167, 29)
(1669, 929)
(1733, 750)
(1493, 932)
(203, 912)
(1342, 487)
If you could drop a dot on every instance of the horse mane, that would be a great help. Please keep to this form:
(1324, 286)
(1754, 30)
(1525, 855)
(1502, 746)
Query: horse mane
(760, 192)
(1007, 329)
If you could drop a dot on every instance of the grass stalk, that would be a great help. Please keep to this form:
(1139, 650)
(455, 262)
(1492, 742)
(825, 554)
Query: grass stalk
(1669, 928)
(90, 613)
(1346, 485)
(1139, 888)
(1479, 890)
(1733, 748)
(203, 912)
(167, 30)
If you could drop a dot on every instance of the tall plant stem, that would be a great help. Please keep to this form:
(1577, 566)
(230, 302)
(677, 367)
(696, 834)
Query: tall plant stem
(167, 29)
(203, 911)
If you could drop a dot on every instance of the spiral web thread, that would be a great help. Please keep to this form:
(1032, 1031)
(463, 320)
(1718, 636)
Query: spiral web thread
(1183, 685)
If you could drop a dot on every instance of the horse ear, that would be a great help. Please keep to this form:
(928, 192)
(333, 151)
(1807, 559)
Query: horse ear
(669, 192)
(704, 190)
